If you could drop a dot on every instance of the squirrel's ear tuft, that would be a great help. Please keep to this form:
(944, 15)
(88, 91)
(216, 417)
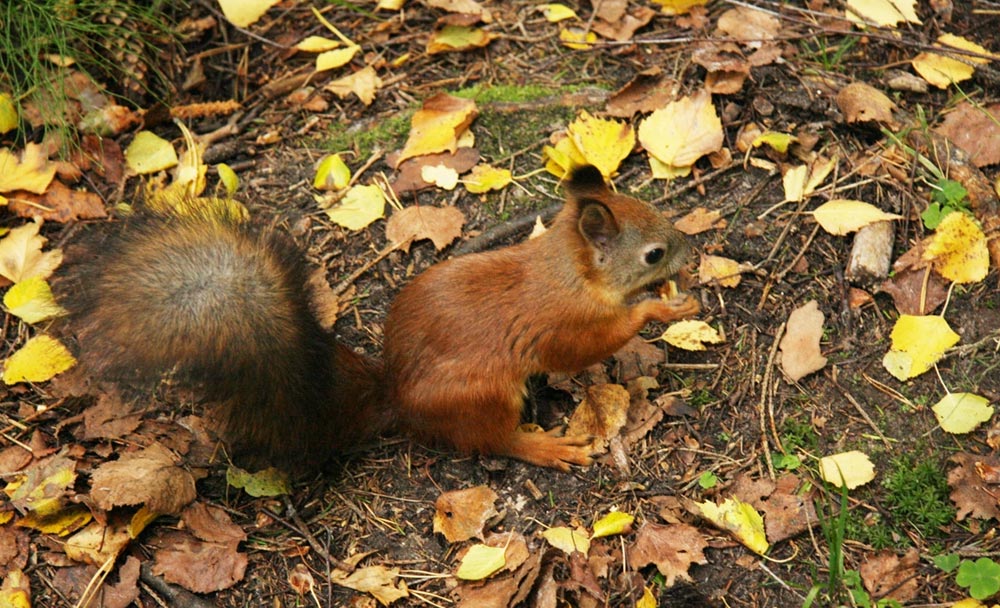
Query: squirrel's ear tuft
(586, 182)
(597, 224)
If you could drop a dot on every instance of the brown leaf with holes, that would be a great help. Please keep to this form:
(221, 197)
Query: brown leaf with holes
(800, 354)
(462, 514)
(886, 575)
(441, 225)
(973, 495)
(149, 476)
(673, 548)
(602, 414)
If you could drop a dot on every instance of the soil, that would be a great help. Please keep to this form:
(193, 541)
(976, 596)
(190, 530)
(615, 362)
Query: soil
(743, 412)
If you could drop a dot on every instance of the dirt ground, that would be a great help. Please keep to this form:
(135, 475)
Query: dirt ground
(740, 413)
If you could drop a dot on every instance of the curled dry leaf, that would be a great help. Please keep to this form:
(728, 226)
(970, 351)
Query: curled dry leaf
(860, 102)
(700, 220)
(463, 514)
(800, 352)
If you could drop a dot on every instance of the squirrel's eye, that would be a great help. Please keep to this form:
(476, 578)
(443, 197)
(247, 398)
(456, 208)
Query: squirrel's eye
(654, 255)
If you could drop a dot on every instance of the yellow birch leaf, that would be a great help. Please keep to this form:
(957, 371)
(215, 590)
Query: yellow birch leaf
(567, 540)
(139, 520)
(364, 83)
(739, 519)
(61, 522)
(577, 38)
(41, 358)
(361, 206)
(242, 13)
(958, 249)
(437, 126)
(230, 181)
(457, 38)
(480, 562)
(97, 543)
(917, 343)
(21, 255)
(682, 132)
(818, 171)
(149, 153)
(603, 143)
(555, 13)
(32, 301)
(960, 413)
(16, 590)
(389, 5)
(691, 334)
(317, 44)
(777, 141)
(942, 70)
(33, 172)
(794, 182)
(843, 216)
(615, 522)
(679, 7)
(648, 600)
(561, 158)
(484, 178)
(336, 58)
(882, 12)
(851, 469)
(724, 271)
(332, 173)
(439, 175)
(8, 113)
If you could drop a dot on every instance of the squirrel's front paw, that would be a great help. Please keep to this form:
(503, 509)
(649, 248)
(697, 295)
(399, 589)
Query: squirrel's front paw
(549, 449)
(679, 307)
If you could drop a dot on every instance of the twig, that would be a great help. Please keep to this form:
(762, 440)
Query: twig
(860, 410)
(346, 283)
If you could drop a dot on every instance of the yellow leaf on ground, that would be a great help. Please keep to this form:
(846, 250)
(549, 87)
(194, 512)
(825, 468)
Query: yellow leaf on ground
(958, 249)
(562, 157)
(60, 522)
(97, 543)
(8, 113)
(484, 178)
(457, 38)
(336, 58)
(882, 12)
(851, 469)
(917, 343)
(557, 12)
(567, 540)
(715, 268)
(603, 143)
(361, 206)
(439, 175)
(16, 590)
(437, 126)
(577, 38)
(242, 13)
(777, 141)
(317, 44)
(364, 83)
(41, 358)
(480, 562)
(843, 216)
(681, 133)
(21, 255)
(332, 173)
(679, 7)
(33, 172)
(230, 181)
(960, 413)
(32, 301)
(942, 70)
(379, 581)
(740, 519)
(648, 600)
(691, 335)
(149, 153)
(615, 522)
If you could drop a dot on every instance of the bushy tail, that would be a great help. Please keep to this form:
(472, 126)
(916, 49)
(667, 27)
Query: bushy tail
(227, 309)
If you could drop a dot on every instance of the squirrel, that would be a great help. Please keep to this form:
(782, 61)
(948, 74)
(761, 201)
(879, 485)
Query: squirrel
(227, 308)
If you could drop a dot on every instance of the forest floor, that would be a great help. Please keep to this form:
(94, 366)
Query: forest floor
(731, 423)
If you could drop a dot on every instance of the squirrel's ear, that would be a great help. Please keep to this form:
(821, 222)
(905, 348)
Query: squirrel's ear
(586, 181)
(597, 224)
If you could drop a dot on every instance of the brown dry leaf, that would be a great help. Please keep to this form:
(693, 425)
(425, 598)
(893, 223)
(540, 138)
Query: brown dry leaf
(376, 580)
(59, 203)
(972, 494)
(101, 155)
(211, 524)
(887, 575)
(749, 25)
(862, 102)
(408, 173)
(501, 591)
(647, 91)
(515, 548)
(437, 126)
(717, 269)
(787, 511)
(126, 591)
(643, 417)
(975, 130)
(464, 7)
(602, 414)
(21, 254)
(624, 28)
(727, 68)
(800, 353)
(44, 485)
(441, 225)
(14, 546)
(462, 514)
(199, 566)
(364, 84)
(301, 580)
(149, 476)
(638, 358)
(700, 220)
(109, 418)
(673, 548)
(915, 293)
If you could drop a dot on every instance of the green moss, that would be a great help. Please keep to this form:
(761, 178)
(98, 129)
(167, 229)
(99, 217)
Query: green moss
(363, 138)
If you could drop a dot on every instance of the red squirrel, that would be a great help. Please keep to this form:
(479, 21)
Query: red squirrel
(227, 309)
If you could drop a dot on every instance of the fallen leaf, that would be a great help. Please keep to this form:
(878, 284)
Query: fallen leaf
(843, 216)
(16, 590)
(32, 173)
(442, 225)
(647, 91)
(555, 13)
(150, 476)
(960, 413)
(464, 7)
(739, 519)
(577, 38)
(800, 352)
(452, 38)
(886, 575)
(917, 344)
(673, 548)
(361, 206)
(8, 114)
(31, 300)
(915, 293)
(700, 220)
(851, 469)
(38, 360)
(332, 173)
(567, 540)
(242, 13)
(199, 566)
(603, 143)
(972, 495)
(958, 249)
(716, 269)
(479, 562)
(98, 543)
(749, 25)
(331, 60)
(861, 102)
(695, 130)
(613, 523)
(484, 178)
(437, 126)
(463, 514)
(882, 12)
(266, 482)
(42, 487)
(601, 415)
(441, 176)
(408, 173)
(942, 70)
(788, 509)
(976, 130)
(110, 418)
(149, 153)
(691, 334)
(363, 83)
